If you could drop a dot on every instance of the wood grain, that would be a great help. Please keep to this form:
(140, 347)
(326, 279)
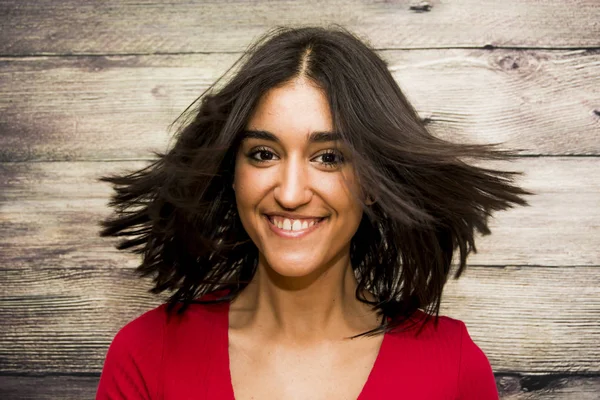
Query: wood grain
(510, 387)
(126, 27)
(111, 108)
(51, 210)
(94, 87)
(521, 320)
(48, 387)
(547, 387)
(62, 319)
(66, 291)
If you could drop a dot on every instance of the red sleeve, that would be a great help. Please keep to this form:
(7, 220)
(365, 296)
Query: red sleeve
(133, 359)
(475, 376)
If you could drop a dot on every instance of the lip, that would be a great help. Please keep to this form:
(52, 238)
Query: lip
(293, 216)
(294, 234)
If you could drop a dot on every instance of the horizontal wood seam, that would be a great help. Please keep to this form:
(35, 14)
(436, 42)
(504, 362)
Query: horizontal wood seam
(186, 53)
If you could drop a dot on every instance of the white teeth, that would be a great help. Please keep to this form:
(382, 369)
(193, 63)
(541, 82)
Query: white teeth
(287, 224)
(293, 224)
(297, 225)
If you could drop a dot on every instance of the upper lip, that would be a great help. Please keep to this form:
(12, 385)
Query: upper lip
(293, 215)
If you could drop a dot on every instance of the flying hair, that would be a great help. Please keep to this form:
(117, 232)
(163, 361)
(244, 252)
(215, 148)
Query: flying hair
(431, 196)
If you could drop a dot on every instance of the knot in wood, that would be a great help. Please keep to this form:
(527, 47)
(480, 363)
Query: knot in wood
(421, 6)
(521, 63)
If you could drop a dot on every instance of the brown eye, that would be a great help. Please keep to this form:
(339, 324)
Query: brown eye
(331, 158)
(264, 155)
(261, 155)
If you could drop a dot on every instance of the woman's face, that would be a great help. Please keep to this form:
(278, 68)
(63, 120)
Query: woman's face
(296, 192)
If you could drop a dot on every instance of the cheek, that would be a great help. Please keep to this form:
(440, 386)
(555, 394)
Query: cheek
(249, 183)
(251, 186)
(243, 187)
(245, 198)
(342, 194)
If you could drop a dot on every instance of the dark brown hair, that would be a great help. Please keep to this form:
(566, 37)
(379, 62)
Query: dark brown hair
(180, 210)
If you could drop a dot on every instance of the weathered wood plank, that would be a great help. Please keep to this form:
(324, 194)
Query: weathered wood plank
(62, 387)
(105, 108)
(62, 319)
(548, 387)
(67, 387)
(66, 291)
(562, 224)
(50, 213)
(64, 325)
(519, 316)
(125, 27)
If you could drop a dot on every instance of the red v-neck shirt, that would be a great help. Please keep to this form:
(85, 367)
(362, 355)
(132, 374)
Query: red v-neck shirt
(187, 357)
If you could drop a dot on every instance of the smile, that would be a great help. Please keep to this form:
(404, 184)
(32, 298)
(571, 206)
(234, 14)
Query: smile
(293, 228)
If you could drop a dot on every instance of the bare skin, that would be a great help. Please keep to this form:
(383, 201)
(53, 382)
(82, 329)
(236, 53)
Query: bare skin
(288, 329)
(285, 346)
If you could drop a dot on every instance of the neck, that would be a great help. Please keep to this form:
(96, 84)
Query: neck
(303, 308)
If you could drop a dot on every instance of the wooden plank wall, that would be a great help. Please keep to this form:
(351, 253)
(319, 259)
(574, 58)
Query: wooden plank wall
(89, 88)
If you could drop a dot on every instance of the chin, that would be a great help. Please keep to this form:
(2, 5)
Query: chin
(289, 266)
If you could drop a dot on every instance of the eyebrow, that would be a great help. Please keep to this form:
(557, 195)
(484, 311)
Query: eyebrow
(314, 137)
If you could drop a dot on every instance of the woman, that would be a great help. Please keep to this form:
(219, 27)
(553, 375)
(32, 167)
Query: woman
(305, 221)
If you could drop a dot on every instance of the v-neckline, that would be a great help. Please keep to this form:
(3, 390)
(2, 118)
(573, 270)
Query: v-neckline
(225, 348)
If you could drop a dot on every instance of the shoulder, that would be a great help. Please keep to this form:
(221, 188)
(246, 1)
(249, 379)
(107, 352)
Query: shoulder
(147, 334)
(475, 378)
(158, 324)
(133, 357)
(140, 339)
(147, 346)
(450, 336)
(475, 375)
(445, 350)
(424, 327)
(142, 330)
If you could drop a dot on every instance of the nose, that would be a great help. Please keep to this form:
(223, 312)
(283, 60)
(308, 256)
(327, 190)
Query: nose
(292, 190)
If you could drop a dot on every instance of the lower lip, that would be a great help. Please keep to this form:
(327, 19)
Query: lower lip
(294, 234)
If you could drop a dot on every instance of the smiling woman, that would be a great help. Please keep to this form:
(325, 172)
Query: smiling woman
(305, 222)
(292, 177)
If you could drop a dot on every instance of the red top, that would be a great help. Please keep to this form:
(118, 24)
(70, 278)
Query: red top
(187, 357)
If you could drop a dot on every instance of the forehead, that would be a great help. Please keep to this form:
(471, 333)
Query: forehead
(294, 109)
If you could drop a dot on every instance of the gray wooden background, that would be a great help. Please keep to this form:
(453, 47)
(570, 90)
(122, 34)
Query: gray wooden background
(89, 88)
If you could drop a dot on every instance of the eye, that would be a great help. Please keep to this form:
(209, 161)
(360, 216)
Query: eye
(261, 154)
(331, 158)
